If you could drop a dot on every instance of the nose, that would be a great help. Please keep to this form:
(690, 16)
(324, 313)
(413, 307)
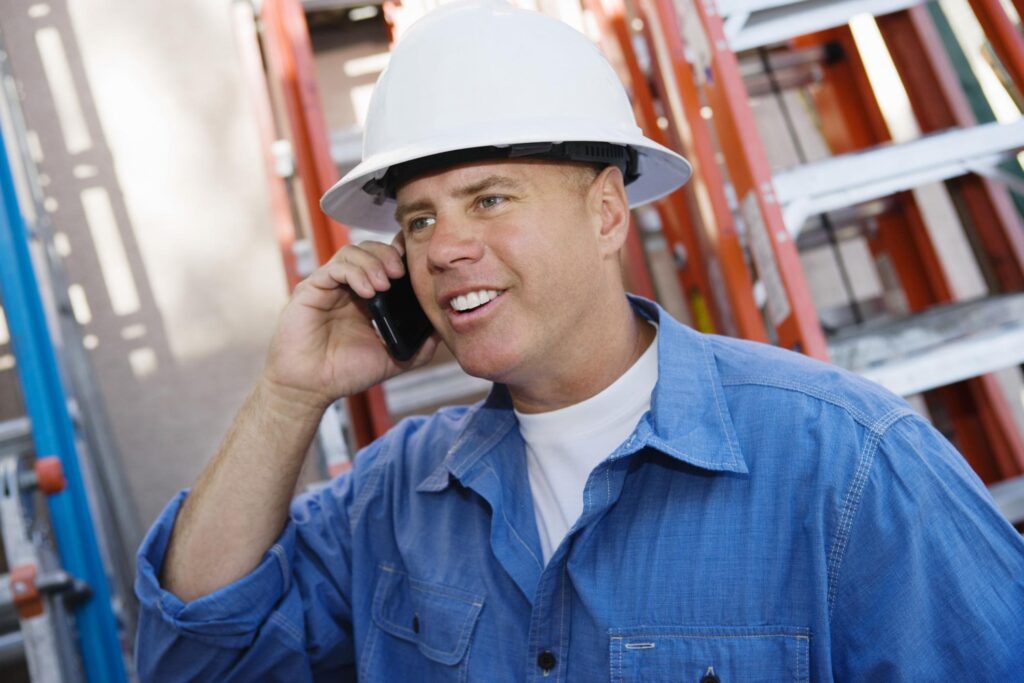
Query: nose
(454, 241)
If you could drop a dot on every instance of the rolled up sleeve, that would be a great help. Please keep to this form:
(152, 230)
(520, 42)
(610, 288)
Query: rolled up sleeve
(288, 620)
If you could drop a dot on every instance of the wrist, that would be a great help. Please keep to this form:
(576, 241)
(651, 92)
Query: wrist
(289, 402)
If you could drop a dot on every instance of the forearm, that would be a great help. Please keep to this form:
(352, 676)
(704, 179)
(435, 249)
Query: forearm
(324, 348)
(239, 505)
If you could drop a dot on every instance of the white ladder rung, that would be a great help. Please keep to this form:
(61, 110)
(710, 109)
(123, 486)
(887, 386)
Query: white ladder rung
(323, 5)
(756, 23)
(14, 433)
(12, 648)
(850, 179)
(347, 146)
(431, 386)
(936, 348)
(1009, 498)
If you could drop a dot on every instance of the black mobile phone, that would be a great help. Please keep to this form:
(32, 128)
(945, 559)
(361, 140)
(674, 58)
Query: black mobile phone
(399, 319)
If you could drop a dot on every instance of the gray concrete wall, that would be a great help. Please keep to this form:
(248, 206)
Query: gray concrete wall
(155, 183)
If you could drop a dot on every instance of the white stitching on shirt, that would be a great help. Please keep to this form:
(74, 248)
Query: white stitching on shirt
(488, 468)
(850, 503)
(708, 356)
(795, 634)
(665, 447)
(562, 618)
(535, 644)
(282, 560)
(816, 392)
(802, 644)
(619, 662)
(368, 489)
(853, 497)
(288, 628)
(367, 659)
(485, 446)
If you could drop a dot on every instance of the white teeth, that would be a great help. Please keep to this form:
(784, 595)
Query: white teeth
(466, 302)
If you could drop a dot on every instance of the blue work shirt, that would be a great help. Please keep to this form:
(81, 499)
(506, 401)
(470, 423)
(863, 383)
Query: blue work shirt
(771, 518)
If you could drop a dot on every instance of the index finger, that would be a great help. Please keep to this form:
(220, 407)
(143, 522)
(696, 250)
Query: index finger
(389, 255)
(399, 243)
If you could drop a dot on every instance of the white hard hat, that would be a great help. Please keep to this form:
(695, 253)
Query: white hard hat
(474, 76)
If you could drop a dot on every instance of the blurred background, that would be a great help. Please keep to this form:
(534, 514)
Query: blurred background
(858, 196)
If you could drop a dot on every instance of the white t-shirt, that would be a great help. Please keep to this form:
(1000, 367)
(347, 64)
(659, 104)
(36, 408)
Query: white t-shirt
(564, 446)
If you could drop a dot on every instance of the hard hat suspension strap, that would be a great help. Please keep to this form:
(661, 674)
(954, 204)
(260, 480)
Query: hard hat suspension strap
(605, 153)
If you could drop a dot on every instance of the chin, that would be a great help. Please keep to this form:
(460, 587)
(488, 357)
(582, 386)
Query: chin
(486, 364)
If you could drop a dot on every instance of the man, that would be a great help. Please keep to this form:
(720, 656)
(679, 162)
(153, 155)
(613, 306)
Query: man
(634, 501)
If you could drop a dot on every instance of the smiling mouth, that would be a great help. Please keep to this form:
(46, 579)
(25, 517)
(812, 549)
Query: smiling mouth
(464, 303)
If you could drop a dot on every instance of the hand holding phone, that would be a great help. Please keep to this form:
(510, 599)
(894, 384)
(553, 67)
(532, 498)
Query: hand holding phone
(399, 319)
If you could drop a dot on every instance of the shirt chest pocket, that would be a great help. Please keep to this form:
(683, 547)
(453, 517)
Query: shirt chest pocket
(425, 629)
(756, 654)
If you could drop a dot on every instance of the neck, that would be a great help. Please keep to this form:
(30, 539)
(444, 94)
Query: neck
(594, 365)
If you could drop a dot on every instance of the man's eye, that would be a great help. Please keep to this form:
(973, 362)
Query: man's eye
(420, 223)
(491, 202)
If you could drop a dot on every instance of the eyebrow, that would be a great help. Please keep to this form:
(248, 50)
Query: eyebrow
(488, 183)
(405, 209)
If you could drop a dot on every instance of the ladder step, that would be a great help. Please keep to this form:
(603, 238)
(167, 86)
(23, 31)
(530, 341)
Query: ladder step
(857, 177)
(347, 147)
(431, 386)
(1009, 497)
(755, 23)
(935, 348)
(15, 434)
(322, 5)
(12, 648)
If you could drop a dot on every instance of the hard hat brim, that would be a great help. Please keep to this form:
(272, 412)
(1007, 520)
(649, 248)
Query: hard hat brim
(660, 169)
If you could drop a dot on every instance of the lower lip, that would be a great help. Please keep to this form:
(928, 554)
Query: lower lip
(464, 322)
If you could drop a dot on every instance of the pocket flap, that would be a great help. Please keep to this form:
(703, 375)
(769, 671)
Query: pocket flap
(439, 619)
(753, 654)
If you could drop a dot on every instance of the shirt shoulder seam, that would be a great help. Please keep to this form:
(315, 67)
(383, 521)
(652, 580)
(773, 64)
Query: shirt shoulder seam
(395, 438)
(372, 482)
(854, 495)
(866, 421)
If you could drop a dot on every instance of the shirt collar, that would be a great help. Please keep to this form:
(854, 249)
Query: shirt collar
(689, 418)
(486, 424)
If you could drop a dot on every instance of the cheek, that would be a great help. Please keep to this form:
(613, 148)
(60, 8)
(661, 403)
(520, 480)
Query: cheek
(557, 244)
(421, 285)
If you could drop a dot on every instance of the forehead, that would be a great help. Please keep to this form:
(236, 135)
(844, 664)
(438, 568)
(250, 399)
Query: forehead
(520, 174)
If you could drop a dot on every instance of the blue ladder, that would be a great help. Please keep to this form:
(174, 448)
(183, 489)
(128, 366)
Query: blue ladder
(53, 434)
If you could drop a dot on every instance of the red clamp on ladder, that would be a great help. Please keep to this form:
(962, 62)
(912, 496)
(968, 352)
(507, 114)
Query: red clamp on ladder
(47, 476)
(25, 595)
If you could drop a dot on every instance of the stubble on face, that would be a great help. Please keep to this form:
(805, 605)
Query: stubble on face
(539, 248)
(579, 177)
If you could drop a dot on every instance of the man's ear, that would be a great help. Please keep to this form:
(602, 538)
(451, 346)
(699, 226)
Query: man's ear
(610, 209)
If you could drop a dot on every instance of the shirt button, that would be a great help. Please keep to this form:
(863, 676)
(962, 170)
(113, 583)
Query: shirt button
(415, 624)
(546, 661)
